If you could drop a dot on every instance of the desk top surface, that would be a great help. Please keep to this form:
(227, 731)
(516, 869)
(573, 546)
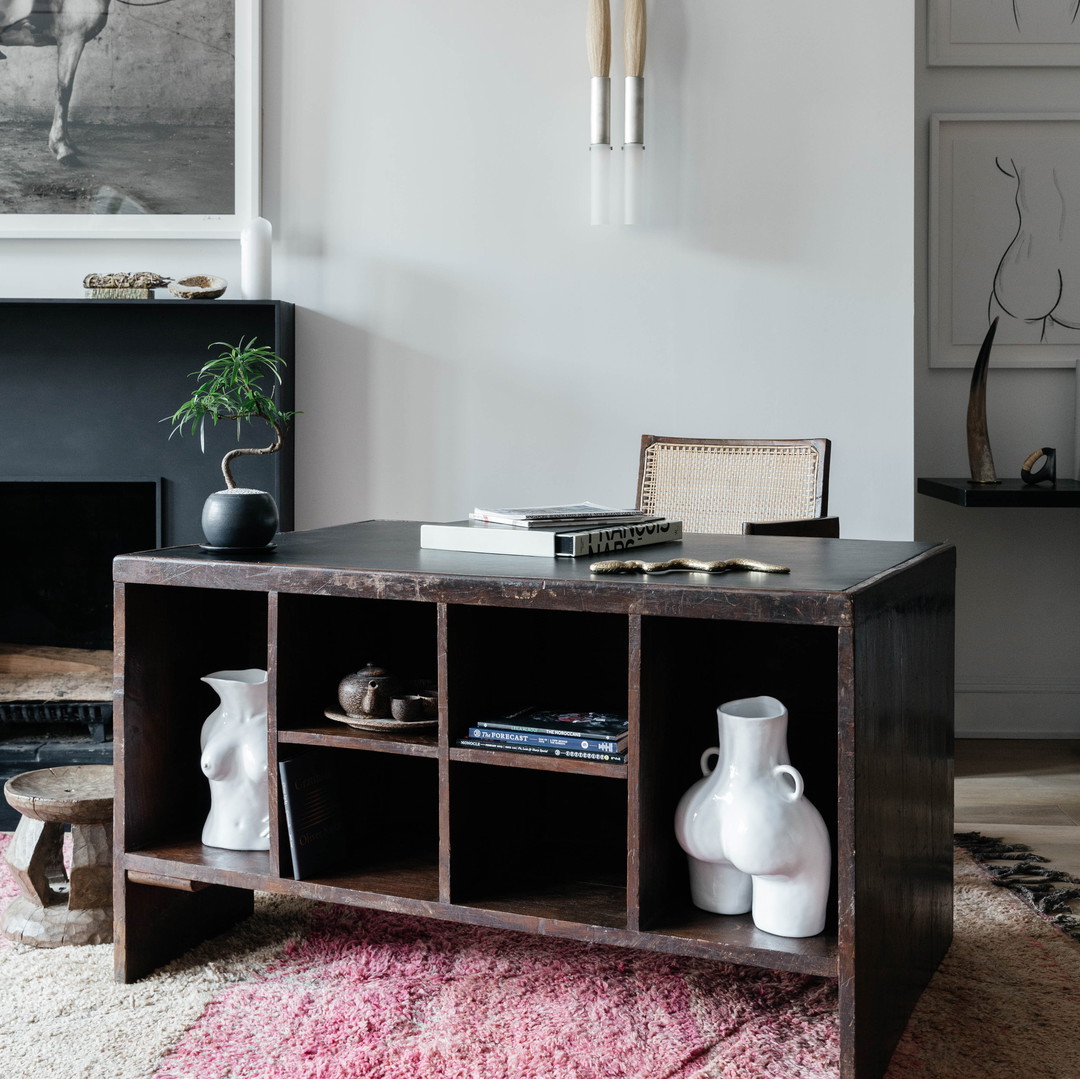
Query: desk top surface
(392, 549)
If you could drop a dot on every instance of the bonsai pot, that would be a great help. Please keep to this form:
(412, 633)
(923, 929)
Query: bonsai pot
(239, 518)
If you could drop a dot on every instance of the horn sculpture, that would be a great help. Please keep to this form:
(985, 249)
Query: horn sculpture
(979, 456)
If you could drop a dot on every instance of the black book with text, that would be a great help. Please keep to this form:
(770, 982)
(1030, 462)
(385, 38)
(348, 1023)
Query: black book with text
(312, 815)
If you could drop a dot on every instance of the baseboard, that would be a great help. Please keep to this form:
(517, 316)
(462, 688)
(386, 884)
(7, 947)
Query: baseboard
(1018, 709)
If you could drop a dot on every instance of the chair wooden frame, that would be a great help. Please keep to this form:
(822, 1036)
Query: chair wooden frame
(816, 499)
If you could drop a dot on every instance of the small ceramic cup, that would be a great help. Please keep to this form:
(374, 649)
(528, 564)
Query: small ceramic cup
(404, 709)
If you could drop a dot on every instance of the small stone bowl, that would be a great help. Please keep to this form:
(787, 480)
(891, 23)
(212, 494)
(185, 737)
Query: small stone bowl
(200, 287)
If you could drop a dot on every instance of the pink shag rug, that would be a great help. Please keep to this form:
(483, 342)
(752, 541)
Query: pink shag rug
(373, 994)
(308, 991)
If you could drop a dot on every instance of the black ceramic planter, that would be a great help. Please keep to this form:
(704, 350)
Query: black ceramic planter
(239, 519)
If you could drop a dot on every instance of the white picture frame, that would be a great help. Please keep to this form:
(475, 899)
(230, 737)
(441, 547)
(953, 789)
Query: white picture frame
(999, 33)
(1001, 242)
(242, 43)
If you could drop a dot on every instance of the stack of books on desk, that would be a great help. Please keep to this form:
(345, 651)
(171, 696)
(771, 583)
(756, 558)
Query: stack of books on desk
(588, 736)
(566, 531)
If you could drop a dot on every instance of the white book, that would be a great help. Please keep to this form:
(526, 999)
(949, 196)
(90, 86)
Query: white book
(583, 511)
(481, 537)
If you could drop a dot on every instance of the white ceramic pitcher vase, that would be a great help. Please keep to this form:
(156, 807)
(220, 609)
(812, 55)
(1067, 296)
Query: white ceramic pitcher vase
(753, 840)
(233, 746)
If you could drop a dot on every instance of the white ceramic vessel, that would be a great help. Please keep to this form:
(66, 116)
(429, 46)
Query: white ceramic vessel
(754, 841)
(233, 746)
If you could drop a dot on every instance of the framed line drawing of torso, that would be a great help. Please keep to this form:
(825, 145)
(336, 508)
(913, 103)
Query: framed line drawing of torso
(992, 33)
(128, 118)
(1005, 238)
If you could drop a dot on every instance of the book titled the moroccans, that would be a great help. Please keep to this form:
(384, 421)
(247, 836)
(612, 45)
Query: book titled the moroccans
(481, 537)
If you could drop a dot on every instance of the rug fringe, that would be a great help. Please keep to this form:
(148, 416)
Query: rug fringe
(1035, 884)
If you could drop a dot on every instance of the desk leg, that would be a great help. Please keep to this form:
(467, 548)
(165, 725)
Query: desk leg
(156, 924)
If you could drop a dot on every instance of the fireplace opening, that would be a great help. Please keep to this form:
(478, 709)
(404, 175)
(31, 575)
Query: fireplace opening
(57, 541)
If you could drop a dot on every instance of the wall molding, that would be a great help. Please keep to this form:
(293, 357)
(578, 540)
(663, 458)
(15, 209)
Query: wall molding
(1017, 709)
(1059, 685)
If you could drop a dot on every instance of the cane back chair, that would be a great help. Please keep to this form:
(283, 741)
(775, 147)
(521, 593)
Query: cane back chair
(774, 487)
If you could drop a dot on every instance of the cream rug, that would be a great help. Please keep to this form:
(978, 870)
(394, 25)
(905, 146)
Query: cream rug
(306, 990)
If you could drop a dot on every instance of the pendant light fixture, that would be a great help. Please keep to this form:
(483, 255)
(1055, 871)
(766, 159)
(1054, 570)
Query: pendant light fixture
(598, 46)
(633, 111)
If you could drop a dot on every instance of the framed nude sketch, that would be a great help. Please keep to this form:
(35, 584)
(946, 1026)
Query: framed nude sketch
(994, 33)
(1005, 239)
(152, 132)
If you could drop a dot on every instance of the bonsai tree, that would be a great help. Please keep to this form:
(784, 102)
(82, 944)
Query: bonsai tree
(230, 388)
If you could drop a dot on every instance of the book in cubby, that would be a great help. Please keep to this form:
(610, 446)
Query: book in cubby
(555, 733)
(312, 815)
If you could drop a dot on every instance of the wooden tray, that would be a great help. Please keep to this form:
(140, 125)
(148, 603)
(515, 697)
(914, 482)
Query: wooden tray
(372, 723)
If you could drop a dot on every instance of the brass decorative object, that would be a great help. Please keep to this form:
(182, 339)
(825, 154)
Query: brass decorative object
(979, 456)
(687, 565)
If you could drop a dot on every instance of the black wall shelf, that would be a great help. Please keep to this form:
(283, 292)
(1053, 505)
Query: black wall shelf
(1064, 494)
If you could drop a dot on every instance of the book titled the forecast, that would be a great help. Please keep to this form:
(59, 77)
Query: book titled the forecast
(502, 736)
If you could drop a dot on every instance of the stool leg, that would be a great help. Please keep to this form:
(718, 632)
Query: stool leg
(91, 867)
(36, 859)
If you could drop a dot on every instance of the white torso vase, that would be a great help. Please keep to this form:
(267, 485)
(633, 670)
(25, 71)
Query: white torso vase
(754, 841)
(233, 746)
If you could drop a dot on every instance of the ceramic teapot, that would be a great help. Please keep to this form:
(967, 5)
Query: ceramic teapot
(368, 692)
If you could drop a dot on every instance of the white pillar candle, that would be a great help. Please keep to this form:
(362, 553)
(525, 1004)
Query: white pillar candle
(255, 240)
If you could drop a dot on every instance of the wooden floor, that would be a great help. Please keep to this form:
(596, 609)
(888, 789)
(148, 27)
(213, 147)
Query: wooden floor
(1023, 792)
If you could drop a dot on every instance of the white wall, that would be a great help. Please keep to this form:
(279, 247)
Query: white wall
(464, 336)
(1018, 577)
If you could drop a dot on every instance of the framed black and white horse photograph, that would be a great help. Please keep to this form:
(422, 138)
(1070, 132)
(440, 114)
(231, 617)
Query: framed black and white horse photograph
(128, 118)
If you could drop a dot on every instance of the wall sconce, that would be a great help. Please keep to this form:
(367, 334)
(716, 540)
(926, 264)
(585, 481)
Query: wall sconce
(633, 111)
(598, 47)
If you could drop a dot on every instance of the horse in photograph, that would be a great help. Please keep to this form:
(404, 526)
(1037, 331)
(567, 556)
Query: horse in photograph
(67, 24)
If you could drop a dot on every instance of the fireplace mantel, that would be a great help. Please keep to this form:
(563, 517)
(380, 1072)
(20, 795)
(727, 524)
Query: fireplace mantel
(84, 385)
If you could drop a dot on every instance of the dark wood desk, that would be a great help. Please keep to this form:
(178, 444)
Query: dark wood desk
(856, 640)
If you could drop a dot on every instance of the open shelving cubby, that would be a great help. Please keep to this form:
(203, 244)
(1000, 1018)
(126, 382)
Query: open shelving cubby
(856, 642)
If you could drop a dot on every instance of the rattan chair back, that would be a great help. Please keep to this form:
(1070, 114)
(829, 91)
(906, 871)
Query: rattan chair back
(719, 485)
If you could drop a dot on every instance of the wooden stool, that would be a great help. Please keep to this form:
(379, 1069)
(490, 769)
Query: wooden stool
(54, 909)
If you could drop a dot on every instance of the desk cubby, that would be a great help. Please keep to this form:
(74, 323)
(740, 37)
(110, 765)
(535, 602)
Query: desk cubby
(856, 641)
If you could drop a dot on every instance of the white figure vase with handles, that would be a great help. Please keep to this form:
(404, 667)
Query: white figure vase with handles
(234, 759)
(753, 840)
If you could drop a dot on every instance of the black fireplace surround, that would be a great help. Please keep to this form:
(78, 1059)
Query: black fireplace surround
(88, 471)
